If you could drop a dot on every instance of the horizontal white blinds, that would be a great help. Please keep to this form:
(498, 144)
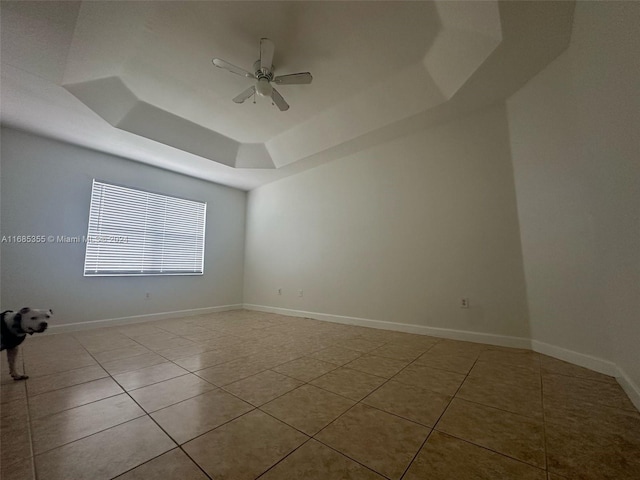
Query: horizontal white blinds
(133, 232)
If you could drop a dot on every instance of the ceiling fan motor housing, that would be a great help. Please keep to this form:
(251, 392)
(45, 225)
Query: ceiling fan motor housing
(263, 72)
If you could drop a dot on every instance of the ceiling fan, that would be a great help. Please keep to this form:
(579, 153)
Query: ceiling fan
(264, 76)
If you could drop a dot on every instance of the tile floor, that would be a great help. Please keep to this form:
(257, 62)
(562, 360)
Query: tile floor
(244, 395)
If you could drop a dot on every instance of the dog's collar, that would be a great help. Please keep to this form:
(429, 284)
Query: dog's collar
(17, 325)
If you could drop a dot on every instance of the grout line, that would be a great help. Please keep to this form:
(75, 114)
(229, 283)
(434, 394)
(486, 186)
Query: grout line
(34, 470)
(433, 429)
(283, 458)
(489, 406)
(544, 423)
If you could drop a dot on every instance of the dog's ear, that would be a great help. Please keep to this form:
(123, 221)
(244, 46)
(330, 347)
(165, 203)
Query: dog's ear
(24, 310)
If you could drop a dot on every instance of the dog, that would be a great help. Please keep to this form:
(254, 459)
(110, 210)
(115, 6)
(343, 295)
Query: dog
(14, 328)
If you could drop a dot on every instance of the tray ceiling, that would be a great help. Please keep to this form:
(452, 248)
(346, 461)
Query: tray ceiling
(135, 79)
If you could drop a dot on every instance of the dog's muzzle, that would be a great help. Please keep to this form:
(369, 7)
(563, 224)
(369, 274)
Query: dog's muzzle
(42, 326)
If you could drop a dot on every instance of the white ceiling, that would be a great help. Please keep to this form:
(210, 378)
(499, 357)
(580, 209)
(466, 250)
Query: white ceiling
(135, 79)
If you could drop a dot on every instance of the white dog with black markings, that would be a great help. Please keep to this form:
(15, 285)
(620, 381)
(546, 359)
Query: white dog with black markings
(15, 326)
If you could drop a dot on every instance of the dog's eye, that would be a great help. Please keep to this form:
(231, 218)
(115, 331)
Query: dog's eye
(34, 318)
(48, 316)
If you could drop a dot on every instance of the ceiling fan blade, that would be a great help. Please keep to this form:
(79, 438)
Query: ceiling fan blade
(266, 53)
(232, 68)
(279, 101)
(294, 79)
(246, 94)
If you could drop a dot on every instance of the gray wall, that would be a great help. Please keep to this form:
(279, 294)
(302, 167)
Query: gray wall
(46, 188)
(398, 233)
(575, 136)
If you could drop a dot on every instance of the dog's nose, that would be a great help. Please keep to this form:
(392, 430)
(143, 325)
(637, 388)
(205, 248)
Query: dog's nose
(43, 325)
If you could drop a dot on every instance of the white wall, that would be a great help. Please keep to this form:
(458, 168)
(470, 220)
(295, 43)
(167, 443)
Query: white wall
(575, 140)
(46, 188)
(398, 233)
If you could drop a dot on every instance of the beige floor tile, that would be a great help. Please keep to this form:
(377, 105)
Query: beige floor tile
(106, 454)
(349, 383)
(15, 442)
(262, 387)
(195, 416)
(244, 448)
(523, 358)
(453, 363)
(173, 465)
(456, 347)
(149, 375)
(553, 365)
(203, 360)
(336, 355)
(507, 373)
(57, 364)
(152, 339)
(513, 435)
(215, 340)
(413, 403)
(380, 366)
(586, 453)
(314, 461)
(181, 352)
(14, 413)
(308, 408)
(232, 371)
(580, 413)
(21, 469)
(440, 381)
(360, 344)
(447, 458)
(160, 395)
(505, 396)
(381, 441)
(120, 353)
(158, 344)
(100, 345)
(115, 367)
(399, 352)
(305, 369)
(13, 391)
(68, 426)
(69, 397)
(563, 387)
(36, 386)
(184, 328)
(138, 330)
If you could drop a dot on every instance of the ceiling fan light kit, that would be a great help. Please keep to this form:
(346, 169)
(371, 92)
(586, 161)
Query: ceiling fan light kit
(263, 76)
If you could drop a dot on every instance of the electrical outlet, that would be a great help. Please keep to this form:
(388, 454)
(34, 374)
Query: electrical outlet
(279, 291)
(300, 293)
(464, 302)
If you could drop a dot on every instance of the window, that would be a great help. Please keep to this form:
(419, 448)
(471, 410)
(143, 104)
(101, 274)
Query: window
(133, 232)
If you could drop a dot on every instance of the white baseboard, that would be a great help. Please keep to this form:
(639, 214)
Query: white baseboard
(629, 386)
(587, 361)
(112, 322)
(592, 363)
(488, 338)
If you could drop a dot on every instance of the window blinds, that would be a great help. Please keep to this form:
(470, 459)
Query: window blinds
(133, 232)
